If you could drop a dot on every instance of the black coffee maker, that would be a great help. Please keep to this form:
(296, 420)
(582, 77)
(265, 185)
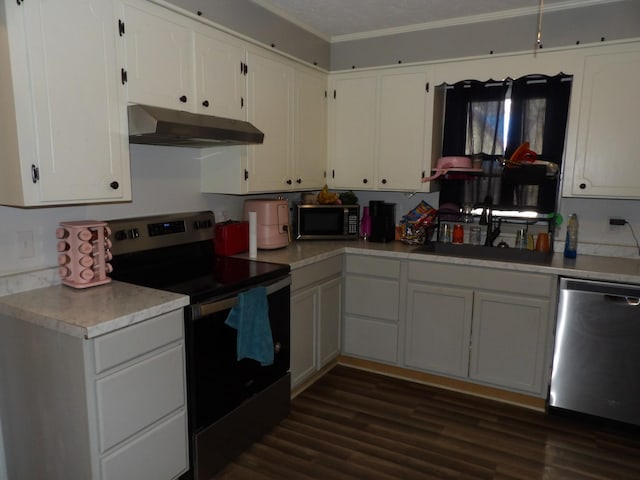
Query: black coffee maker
(383, 221)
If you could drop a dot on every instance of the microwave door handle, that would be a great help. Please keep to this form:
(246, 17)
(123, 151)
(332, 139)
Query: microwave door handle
(209, 308)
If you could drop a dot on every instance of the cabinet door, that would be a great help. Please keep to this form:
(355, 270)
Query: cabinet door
(606, 163)
(438, 328)
(220, 80)
(270, 108)
(352, 140)
(329, 321)
(79, 120)
(159, 58)
(304, 307)
(402, 135)
(508, 341)
(310, 130)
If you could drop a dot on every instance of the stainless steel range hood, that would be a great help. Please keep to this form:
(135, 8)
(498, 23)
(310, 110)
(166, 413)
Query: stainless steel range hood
(161, 126)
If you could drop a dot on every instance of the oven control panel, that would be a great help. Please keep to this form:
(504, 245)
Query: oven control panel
(144, 233)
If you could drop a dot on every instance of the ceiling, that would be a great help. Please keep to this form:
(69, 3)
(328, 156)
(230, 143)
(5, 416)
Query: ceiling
(344, 19)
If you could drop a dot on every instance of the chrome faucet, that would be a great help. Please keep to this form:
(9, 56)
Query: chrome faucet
(487, 219)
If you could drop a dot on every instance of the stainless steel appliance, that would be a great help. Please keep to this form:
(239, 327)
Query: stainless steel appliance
(327, 222)
(231, 402)
(596, 364)
(161, 126)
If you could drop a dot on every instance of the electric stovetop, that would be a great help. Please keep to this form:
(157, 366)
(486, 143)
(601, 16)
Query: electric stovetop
(176, 253)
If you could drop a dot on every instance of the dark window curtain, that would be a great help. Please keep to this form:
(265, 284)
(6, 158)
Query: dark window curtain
(539, 108)
(474, 118)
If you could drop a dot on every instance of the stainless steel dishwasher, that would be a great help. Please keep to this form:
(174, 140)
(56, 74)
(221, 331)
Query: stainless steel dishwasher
(596, 362)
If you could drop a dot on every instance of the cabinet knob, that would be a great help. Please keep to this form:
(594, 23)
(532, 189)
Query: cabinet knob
(583, 186)
(114, 185)
(183, 99)
(299, 180)
(289, 182)
(205, 103)
(384, 181)
(364, 180)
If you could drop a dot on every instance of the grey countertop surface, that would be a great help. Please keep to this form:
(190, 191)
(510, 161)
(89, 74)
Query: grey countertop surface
(98, 310)
(610, 269)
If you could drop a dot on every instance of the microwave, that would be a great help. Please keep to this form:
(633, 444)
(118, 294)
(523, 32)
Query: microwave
(327, 222)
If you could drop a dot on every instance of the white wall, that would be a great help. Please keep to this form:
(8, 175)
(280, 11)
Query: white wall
(164, 180)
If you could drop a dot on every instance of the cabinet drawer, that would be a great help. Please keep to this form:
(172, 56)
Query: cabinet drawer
(312, 274)
(133, 398)
(371, 339)
(372, 297)
(160, 453)
(537, 284)
(367, 265)
(123, 345)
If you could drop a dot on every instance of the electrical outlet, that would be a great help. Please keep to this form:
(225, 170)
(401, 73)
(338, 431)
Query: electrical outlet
(25, 244)
(618, 222)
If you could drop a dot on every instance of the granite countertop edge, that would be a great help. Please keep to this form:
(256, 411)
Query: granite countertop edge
(587, 267)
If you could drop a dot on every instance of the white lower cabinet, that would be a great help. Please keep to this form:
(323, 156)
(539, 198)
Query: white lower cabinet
(371, 312)
(316, 310)
(438, 328)
(107, 408)
(488, 326)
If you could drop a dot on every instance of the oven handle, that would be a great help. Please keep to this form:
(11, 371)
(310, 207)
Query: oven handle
(204, 309)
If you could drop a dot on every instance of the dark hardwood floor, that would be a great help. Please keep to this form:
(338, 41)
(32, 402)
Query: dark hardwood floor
(353, 424)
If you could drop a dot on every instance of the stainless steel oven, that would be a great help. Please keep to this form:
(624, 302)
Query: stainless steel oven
(231, 401)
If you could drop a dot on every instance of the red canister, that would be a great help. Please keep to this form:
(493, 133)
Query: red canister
(458, 233)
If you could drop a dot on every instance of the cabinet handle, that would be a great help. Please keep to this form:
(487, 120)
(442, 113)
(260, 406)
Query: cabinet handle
(205, 103)
(114, 185)
(364, 180)
(183, 99)
(384, 181)
(289, 182)
(583, 186)
(35, 174)
(299, 180)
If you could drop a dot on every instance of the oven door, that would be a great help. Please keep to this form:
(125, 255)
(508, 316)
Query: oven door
(233, 402)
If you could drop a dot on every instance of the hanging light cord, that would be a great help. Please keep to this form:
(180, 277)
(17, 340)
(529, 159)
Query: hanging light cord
(539, 33)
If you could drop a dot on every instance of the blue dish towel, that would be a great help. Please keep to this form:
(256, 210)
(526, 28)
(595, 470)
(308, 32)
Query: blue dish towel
(250, 317)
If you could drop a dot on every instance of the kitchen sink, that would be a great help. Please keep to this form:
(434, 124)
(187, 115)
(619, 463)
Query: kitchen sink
(486, 253)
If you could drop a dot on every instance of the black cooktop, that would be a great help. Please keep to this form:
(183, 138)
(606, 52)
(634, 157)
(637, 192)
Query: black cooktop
(193, 270)
(175, 252)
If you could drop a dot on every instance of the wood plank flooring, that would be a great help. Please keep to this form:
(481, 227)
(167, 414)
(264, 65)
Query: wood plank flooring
(353, 424)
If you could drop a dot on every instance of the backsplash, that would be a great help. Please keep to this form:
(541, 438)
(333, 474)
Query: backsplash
(167, 179)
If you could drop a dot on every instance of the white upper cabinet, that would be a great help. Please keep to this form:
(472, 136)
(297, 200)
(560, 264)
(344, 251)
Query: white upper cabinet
(270, 109)
(380, 130)
(605, 157)
(310, 129)
(352, 131)
(64, 133)
(287, 103)
(220, 75)
(405, 130)
(159, 57)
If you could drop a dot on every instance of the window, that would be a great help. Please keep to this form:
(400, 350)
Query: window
(494, 118)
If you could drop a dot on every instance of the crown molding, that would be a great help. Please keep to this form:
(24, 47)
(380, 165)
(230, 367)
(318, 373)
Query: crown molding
(505, 14)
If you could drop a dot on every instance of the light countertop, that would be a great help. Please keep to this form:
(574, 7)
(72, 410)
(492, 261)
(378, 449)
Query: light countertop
(92, 311)
(98, 310)
(301, 253)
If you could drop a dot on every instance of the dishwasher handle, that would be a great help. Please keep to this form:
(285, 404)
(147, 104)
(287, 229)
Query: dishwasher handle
(618, 299)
